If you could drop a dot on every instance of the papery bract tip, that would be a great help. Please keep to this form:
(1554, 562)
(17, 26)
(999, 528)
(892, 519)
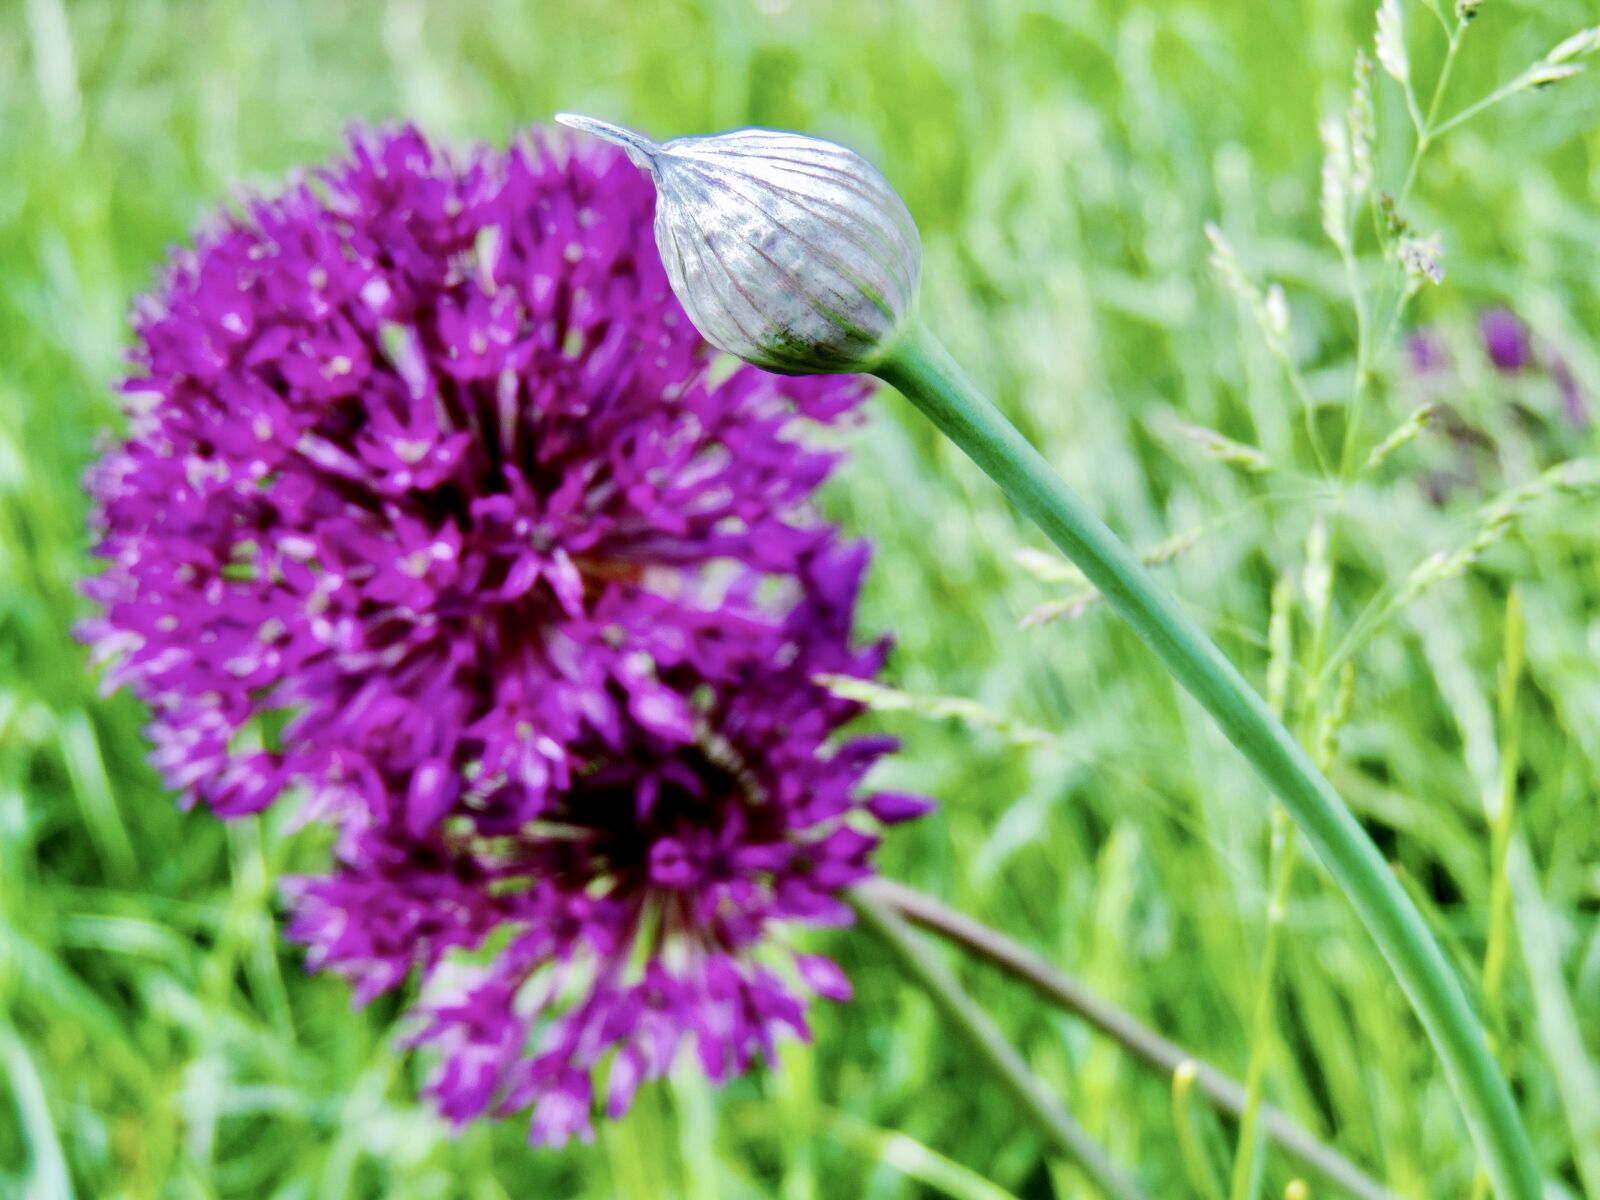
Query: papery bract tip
(640, 149)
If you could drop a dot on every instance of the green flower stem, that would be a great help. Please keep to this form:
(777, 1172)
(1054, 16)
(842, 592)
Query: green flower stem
(921, 368)
(968, 1018)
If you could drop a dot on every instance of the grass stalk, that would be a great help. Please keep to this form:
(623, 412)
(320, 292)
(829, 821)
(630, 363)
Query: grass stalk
(1246, 1163)
(968, 1019)
(1145, 1044)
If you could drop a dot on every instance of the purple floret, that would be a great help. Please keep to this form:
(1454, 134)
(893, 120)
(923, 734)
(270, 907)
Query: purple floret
(434, 513)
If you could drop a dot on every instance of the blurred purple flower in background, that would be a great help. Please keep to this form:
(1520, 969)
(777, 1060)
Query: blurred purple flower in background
(1573, 404)
(1427, 352)
(1511, 349)
(1505, 340)
(427, 467)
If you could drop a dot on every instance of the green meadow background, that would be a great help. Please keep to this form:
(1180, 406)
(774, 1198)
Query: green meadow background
(158, 1038)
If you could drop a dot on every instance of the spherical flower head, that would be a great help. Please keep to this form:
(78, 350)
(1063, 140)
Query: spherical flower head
(428, 479)
(790, 252)
(566, 961)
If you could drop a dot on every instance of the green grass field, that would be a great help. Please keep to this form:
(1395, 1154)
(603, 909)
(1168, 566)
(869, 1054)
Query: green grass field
(159, 1038)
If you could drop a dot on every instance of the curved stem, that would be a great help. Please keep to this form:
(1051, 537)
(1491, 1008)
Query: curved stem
(1144, 1043)
(924, 372)
(969, 1019)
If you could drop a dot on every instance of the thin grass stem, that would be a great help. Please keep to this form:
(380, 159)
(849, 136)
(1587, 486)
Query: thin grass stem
(1196, 1163)
(968, 1018)
(1143, 1043)
(1246, 1163)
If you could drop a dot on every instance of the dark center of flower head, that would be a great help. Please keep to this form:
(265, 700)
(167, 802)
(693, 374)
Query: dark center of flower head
(634, 910)
(432, 510)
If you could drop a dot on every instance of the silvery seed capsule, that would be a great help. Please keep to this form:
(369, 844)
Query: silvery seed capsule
(791, 252)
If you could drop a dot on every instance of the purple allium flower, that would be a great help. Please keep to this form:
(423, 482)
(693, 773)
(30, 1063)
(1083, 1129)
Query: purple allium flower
(1505, 340)
(429, 457)
(434, 512)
